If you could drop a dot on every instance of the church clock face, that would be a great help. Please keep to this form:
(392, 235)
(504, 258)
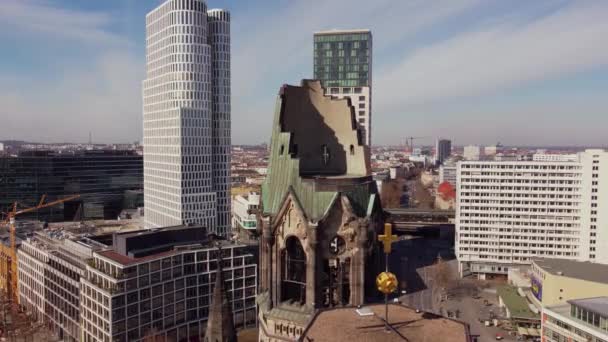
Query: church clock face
(337, 245)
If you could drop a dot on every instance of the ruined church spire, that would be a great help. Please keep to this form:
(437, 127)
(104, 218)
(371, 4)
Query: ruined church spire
(220, 327)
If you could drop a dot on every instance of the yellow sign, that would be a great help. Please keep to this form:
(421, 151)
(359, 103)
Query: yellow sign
(386, 282)
(387, 238)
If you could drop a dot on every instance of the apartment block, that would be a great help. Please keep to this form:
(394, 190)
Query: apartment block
(511, 211)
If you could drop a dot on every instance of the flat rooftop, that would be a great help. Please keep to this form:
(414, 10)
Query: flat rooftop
(518, 306)
(148, 244)
(345, 324)
(589, 271)
(599, 305)
(338, 31)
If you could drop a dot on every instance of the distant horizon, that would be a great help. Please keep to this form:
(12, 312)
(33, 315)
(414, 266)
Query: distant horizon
(373, 146)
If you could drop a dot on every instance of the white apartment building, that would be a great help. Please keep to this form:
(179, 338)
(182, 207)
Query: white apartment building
(243, 211)
(471, 152)
(510, 211)
(448, 172)
(580, 320)
(554, 157)
(186, 112)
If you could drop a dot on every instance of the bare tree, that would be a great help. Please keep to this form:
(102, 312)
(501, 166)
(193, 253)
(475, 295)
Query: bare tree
(390, 194)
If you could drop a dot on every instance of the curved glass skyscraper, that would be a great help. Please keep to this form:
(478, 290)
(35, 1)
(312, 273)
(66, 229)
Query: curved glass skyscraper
(186, 98)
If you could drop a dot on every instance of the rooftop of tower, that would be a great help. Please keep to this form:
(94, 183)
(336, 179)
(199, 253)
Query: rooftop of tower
(338, 31)
(317, 153)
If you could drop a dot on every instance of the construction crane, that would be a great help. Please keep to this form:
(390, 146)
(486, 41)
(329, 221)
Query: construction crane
(411, 141)
(11, 254)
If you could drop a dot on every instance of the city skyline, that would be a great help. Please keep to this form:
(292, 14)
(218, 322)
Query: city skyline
(476, 72)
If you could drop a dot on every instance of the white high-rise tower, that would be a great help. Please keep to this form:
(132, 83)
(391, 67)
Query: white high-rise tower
(186, 98)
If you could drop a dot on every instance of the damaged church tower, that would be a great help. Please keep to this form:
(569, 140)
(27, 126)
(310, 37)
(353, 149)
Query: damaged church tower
(320, 213)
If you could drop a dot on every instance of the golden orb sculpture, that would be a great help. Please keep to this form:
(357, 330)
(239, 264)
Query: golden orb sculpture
(386, 282)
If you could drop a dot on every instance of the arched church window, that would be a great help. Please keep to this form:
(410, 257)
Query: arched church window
(294, 271)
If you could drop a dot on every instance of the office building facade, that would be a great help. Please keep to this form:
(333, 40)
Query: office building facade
(142, 288)
(186, 99)
(343, 63)
(511, 211)
(443, 149)
(580, 320)
(101, 178)
(50, 268)
(133, 286)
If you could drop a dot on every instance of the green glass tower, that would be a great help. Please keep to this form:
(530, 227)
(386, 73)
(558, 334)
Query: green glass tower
(343, 63)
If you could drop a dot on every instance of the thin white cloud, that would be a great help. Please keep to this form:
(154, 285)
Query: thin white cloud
(277, 47)
(95, 86)
(44, 18)
(103, 97)
(498, 57)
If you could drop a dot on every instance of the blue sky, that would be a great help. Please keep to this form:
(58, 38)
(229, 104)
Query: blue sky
(477, 71)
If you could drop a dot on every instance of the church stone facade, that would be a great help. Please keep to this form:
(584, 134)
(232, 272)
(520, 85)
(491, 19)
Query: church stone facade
(320, 213)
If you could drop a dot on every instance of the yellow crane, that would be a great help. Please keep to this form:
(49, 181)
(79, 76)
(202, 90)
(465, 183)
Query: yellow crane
(9, 267)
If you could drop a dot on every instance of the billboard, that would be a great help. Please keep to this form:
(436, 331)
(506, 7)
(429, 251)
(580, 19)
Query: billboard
(537, 288)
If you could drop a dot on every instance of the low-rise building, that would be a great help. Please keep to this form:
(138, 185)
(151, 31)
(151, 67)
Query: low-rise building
(578, 320)
(555, 281)
(244, 209)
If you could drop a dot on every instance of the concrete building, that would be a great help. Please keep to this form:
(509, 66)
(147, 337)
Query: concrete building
(321, 214)
(511, 211)
(555, 281)
(134, 285)
(158, 283)
(51, 264)
(186, 98)
(244, 209)
(580, 320)
(471, 152)
(554, 157)
(443, 149)
(100, 177)
(490, 151)
(448, 173)
(343, 63)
